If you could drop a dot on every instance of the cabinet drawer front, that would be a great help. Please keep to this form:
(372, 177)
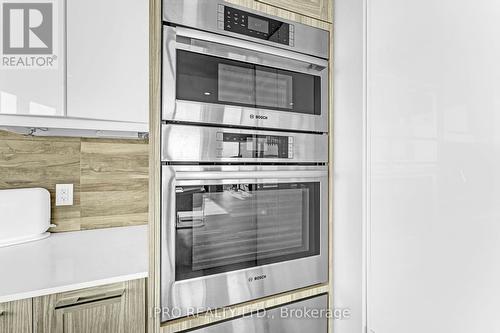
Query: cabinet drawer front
(90, 295)
(106, 315)
(118, 307)
(16, 317)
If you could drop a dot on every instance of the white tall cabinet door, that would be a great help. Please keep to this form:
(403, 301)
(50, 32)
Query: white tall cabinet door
(348, 169)
(29, 89)
(107, 59)
(433, 166)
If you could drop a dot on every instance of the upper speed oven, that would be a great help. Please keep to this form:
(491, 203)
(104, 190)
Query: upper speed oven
(226, 66)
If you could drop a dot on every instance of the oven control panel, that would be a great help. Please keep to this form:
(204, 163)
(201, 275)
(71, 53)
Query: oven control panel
(239, 145)
(249, 24)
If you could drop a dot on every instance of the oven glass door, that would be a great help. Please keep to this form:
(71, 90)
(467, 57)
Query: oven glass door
(210, 79)
(227, 227)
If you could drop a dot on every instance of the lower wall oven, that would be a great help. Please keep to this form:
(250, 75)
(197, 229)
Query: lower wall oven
(234, 233)
(294, 317)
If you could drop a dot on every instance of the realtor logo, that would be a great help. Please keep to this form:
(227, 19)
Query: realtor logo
(27, 28)
(28, 34)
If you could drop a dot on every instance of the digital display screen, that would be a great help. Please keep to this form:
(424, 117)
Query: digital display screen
(258, 24)
(242, 145)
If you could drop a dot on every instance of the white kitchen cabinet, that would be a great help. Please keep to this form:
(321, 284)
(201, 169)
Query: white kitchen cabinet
(27, 90)
(107, 59)
(32, 92)
(348, 172)
(101, 79)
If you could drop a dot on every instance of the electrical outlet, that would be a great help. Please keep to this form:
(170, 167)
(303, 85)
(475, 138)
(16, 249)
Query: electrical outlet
(64, 194)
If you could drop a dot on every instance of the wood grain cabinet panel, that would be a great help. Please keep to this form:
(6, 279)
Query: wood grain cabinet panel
(114, 308)
(318, 9)
(110, 177)
(100, 316)
(16, 317)
(289, 10)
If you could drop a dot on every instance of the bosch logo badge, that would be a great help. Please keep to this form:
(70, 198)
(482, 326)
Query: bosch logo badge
(257, 278)
(253, 116)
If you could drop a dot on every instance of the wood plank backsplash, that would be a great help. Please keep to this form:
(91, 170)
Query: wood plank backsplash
(110, 177)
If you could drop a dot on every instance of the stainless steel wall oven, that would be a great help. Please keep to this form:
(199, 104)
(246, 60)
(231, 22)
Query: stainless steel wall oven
(244, 157)
(236, 77)
(237, 233)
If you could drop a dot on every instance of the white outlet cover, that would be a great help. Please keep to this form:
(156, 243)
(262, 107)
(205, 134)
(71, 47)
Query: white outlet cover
(64, 194)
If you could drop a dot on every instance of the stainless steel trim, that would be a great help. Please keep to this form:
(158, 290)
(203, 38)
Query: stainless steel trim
(204, 15)
(217, 114)
(233, 287)
(234, 49)
(196, 112)
(243, 176)
(249, 45)
(190, 224)
(169, 74)
(187, 143)
(275, 322)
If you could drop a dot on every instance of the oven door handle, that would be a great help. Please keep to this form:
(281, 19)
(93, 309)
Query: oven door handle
(190, 222)
(242, 44)
(275, 174)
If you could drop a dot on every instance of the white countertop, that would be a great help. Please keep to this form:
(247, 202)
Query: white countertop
(73, 260)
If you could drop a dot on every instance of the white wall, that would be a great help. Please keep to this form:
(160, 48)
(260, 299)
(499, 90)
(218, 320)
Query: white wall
(434, 165)
(348, 135)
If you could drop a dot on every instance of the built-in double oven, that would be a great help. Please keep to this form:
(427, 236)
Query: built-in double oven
(244, 156)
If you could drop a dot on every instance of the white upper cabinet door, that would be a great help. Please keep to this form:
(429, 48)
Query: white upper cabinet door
(107, 60)
(32, 72)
